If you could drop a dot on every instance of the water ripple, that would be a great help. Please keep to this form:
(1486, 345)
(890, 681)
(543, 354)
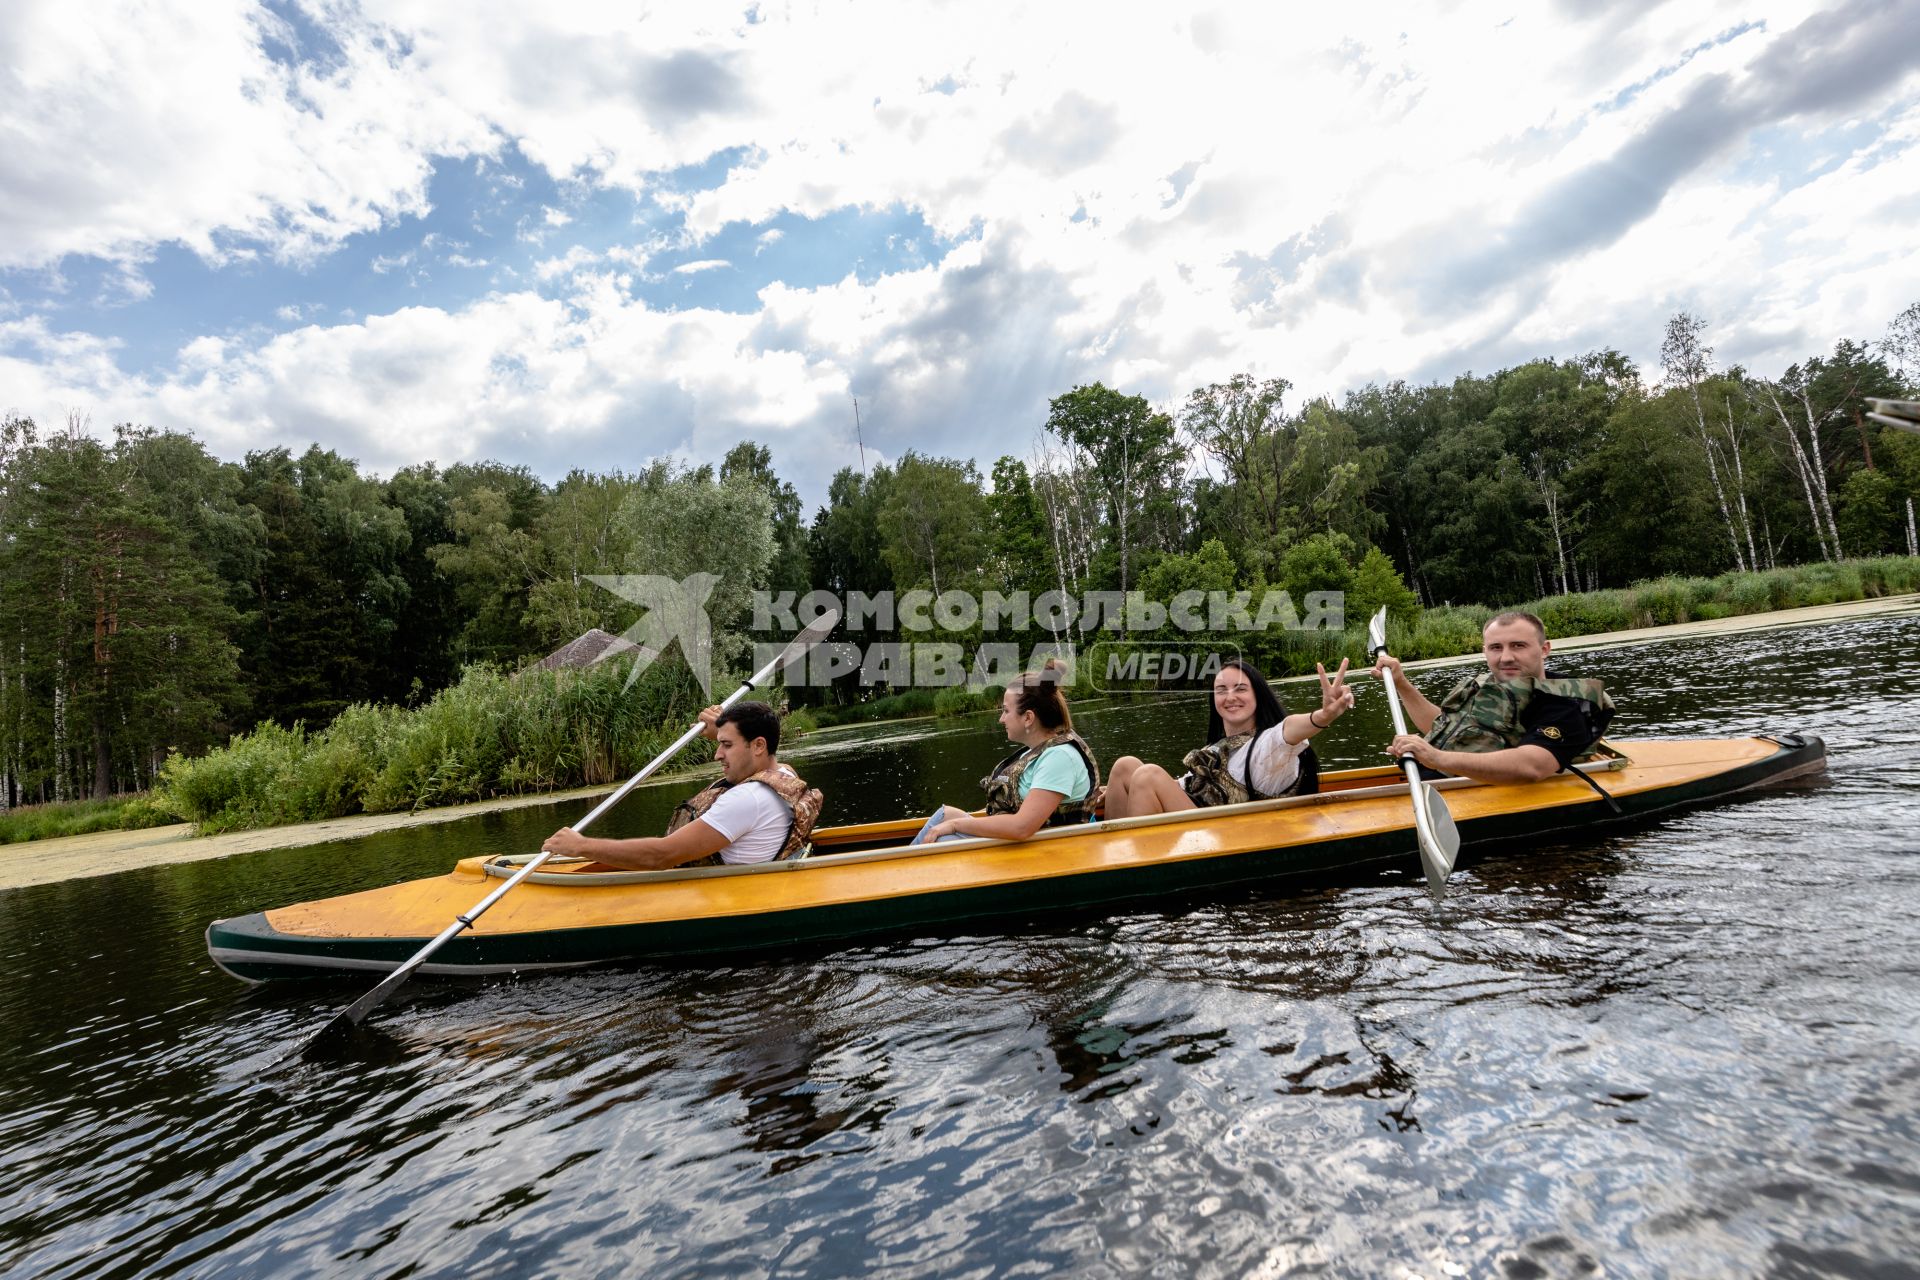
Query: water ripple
(1690, 1047)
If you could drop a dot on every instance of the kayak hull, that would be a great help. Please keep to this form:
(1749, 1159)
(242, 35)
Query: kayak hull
(567, 919)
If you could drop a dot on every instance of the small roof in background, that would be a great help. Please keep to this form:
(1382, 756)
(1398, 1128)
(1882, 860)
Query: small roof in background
(586, 650)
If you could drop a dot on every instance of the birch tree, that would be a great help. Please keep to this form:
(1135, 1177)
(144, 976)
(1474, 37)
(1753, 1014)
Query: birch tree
(578, 536)
(1813, 481)
(1811, 397)
(1901, 346)
(1129, 449)
(1688, 363)
(1072, 525)
(678, 523)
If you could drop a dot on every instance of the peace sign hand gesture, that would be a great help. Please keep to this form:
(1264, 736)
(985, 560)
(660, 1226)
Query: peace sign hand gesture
(1336, 695)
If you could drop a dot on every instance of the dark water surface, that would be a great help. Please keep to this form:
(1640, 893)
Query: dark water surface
(1691, 1048)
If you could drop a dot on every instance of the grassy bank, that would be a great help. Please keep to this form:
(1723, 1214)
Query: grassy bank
(1663, 602)
(490, 735)
(909, 704)
(1454, 631)
(79, 817)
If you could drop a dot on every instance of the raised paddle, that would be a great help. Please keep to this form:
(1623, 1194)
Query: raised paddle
(1432, 821)
(353, 1013)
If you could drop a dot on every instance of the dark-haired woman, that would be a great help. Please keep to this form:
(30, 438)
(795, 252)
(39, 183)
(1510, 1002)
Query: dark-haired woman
(1254, 751)
(1043, 782)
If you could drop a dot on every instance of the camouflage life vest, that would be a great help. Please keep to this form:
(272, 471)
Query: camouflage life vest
(1210, 780)
(1483, 713)
(805, 802)
(1003, 784)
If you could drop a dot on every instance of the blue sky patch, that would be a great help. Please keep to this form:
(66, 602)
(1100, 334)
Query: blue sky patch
(472, 240)
(799, 251)
(492, 222)
(1626, 96)
(1792, 156)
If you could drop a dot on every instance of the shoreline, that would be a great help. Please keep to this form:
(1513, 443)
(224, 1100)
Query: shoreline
(1779, 619)
(98, 853)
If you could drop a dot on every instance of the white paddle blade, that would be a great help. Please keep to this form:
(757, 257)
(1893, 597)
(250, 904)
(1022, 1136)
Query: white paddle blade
(1377, 633)
(1446, 834)
(796, 650)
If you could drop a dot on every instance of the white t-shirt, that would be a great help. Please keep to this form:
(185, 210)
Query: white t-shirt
(1274, 768)
(753, 818)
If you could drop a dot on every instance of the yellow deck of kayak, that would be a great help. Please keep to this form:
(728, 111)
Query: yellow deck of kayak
(1358, 802)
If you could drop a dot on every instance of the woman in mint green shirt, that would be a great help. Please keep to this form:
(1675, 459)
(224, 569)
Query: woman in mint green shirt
(1047, 779)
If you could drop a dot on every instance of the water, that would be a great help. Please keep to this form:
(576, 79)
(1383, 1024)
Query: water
(1688, 1049)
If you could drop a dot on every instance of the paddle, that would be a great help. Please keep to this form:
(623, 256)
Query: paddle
(353, 1013)
(1432, 820)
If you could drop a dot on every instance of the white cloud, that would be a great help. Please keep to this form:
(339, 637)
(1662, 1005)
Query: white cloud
(146, 124)
(1159, 199)
(595, 379)
(566, 264)
(511, 376)
(44, 374)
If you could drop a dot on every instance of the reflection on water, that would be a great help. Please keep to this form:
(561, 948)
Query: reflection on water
(1689, 1048)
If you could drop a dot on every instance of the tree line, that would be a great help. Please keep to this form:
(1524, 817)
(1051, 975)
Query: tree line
(155, 599)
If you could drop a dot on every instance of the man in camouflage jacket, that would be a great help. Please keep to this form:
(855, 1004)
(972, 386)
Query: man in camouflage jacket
(1517, 722)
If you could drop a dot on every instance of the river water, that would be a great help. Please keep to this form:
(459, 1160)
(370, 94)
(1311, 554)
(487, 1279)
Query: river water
(1688, 1048)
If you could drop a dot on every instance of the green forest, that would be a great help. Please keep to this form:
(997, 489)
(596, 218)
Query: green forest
(156, 600)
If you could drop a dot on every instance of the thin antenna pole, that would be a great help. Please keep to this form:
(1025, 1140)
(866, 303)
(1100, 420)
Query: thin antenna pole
(857, 437)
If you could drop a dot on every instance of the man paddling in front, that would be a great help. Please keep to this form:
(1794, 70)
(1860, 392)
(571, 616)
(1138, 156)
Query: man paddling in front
(729, 822)
(1516, 722)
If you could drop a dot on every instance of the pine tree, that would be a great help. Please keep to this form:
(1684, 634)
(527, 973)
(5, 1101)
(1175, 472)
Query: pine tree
(118, 633)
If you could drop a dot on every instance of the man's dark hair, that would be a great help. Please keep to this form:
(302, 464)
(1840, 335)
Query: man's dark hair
(753, 720)
(1517, 615)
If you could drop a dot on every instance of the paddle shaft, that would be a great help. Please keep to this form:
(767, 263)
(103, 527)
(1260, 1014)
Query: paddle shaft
(1437, 847)
(1431, 860)
(360, 1008)
(367, 1003)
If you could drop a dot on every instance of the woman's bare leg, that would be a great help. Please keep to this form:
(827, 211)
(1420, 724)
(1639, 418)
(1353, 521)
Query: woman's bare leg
(1152, 789)
(1119, 784)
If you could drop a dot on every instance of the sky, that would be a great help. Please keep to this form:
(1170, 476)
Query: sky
(583, 235)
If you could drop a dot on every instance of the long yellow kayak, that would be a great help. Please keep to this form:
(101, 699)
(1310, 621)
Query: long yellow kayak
(864, 879)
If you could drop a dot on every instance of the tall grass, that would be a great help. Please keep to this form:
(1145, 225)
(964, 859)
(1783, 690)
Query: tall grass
(894, 706)
(489, 735)
(908, 704)
(1454, 631)
(79, 817)
(960, 701)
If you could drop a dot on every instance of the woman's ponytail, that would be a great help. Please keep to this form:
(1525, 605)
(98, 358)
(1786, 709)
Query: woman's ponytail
(1039, 692)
